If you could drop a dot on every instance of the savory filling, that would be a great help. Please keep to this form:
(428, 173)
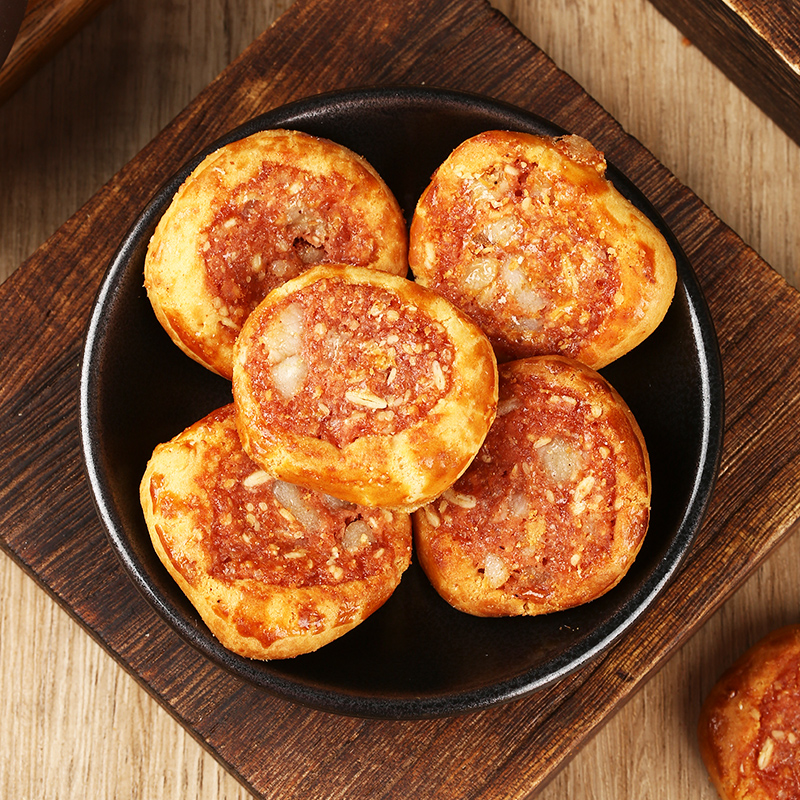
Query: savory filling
(339, 362)
(537, 508)
(274, 227)
(777, 746)
(255, 527)
(526, 251)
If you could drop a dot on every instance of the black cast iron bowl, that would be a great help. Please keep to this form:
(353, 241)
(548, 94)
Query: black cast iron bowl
(416, 656)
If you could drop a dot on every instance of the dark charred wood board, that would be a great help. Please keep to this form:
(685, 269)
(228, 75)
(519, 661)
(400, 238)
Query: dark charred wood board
(279, 750)
(756, 43)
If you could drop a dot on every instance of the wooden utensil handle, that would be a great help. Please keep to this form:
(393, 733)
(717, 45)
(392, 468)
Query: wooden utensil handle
(47, 25)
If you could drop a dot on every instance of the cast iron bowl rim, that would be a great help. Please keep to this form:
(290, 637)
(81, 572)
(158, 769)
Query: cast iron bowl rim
(591, 644)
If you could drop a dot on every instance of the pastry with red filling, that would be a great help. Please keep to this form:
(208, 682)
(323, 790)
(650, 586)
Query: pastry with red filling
(363, 385)
(554, 508)
(274, 570)
(749, 727)
(254, 214)
(527, 235)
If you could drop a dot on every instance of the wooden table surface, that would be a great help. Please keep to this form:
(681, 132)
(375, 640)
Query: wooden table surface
(75, 724)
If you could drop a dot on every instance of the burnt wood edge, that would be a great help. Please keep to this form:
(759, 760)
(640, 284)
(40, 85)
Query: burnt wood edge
(744, 53)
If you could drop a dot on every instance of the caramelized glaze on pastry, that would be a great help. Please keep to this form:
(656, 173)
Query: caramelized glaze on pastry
(527, 235)
(274, 570)
(253, 214)
(749, 728)
(363, 385)
(553, 510)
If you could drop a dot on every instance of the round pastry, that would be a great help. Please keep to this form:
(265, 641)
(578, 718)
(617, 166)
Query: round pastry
(553, 510)
(273, 569)
(363, 385)
(253, 214)
(526, 235)
(749, 728)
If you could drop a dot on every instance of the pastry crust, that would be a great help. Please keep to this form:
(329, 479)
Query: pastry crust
(253, 214)
(554, 508)
(274, 570)
(363, 385)
(526, 235)
(749, 727)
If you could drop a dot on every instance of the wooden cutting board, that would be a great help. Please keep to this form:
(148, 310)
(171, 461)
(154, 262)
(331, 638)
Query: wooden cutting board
(47, 520)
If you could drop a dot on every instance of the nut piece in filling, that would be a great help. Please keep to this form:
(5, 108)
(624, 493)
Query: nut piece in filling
(526, 235)
(554, 508)
(253, 214)
(363, 385)
(749, 727)
(273, 569)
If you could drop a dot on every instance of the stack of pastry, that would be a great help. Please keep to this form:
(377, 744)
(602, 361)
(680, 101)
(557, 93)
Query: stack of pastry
(367, 398)
(564, 275)
(358, 395)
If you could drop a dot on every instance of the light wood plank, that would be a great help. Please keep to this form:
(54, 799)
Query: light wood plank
(668, 95)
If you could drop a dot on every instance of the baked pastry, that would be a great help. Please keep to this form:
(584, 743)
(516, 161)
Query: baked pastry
(363, 385)
(553, 510)
(253, 214)
(749, 728)
(526, 235)
(273, 569)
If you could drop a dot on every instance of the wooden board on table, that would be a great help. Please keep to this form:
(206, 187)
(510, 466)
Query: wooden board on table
(47, 519)
(755, 42)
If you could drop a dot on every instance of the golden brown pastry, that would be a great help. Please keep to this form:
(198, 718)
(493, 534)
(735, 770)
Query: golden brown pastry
(363, 385)
(749, 728)
(274, 570)
(553, 510)
(526, 235)
(253, 214)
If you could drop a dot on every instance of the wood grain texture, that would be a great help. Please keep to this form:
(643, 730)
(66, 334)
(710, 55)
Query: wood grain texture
(756, 43)
(46, 26)
(663, 91)
(399, 746)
